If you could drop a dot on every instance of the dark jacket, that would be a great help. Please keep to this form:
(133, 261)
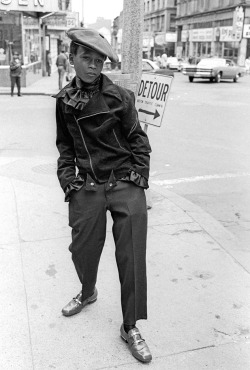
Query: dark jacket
(15, 68)
(61, 61)
(104, 136)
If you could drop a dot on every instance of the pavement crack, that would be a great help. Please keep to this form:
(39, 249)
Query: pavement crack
(221, 332)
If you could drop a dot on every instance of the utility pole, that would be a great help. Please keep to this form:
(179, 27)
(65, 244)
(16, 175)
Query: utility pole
(132, 31)
(82, 22)
(132, 36)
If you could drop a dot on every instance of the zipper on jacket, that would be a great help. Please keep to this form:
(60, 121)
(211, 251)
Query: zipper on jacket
(94, 114)
(117, 140)
(90, 160)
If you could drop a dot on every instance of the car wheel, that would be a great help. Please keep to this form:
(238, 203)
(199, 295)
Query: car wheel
(236, 78)
(218, 78)
(190, 78)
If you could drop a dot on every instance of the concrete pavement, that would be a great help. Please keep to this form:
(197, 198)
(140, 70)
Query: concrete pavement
(198, 282)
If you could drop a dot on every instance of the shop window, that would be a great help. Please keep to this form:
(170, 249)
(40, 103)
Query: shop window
(10, 36)
(31, 46)
(230, 50)
(203, 49)
(209, 48)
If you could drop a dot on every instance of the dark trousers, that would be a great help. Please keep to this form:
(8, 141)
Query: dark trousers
(48, 69)
(87, 217)
(15, 80)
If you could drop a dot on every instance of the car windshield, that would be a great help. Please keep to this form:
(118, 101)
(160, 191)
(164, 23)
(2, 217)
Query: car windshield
(149, 65)
(212, 62)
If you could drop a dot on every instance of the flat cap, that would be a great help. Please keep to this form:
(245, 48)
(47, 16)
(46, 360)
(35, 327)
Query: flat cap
(94, 40)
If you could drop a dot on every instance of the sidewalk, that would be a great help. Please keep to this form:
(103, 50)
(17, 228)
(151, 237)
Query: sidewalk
(45, 86)
(198, 282)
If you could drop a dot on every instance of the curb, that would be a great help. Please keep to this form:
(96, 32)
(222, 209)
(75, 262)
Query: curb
(29, 93)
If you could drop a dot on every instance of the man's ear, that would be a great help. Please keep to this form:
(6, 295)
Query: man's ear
(71, 59)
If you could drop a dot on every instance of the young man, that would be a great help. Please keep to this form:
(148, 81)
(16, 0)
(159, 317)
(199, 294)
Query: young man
(104, 165)
(15, 74)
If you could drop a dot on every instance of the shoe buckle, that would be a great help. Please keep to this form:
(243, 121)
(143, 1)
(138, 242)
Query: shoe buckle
(135, 339)
(77, 300)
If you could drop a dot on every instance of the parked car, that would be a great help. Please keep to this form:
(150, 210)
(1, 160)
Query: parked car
(214, 69)
(111, 67)
(176, 64)
(147, 66)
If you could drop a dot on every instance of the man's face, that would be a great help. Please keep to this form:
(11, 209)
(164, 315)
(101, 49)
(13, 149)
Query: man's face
(88, 64)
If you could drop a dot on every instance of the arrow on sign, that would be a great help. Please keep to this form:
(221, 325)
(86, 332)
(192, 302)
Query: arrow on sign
(156, 114)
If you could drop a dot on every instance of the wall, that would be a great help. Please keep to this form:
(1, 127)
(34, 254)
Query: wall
(30, 74)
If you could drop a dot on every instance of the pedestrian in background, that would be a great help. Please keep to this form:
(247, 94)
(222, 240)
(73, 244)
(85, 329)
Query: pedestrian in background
(70, 71)
(61, 63)
(104, 165)
(48, 63)
(164, 60)
(158, 60)
(15, 73)
(247, 65)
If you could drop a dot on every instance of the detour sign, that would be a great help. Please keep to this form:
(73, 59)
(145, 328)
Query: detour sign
(152, 98)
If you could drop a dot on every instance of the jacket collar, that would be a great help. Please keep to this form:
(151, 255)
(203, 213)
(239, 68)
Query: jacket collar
(107, 88)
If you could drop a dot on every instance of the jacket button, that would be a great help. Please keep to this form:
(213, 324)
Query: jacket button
(92, 184)
(111, 184)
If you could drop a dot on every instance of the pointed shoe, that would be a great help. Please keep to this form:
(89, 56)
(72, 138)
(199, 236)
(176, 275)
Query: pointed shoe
(76, 305)
(138, 347)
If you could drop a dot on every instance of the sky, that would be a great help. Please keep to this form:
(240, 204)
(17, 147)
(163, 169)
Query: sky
(108, 9)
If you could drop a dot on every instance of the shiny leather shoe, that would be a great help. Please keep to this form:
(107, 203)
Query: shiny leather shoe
(76, 305)
(138, 347)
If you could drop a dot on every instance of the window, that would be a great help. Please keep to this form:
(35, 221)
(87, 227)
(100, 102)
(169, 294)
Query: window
(162, 22)
(157, 23)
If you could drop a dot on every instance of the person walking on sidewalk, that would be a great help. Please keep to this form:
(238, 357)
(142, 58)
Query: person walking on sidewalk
(100, 137)
(48, 63)
(61, 63)
(15, 74)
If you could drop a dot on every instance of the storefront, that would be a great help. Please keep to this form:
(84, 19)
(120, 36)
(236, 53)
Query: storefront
(32, 28)
(205, 42)
(225, 37)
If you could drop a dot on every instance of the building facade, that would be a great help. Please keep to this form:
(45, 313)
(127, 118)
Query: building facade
(159, 28)
(213, 28)
(32, 28)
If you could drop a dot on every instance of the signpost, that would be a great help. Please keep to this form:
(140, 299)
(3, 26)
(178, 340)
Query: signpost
(152, 98)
